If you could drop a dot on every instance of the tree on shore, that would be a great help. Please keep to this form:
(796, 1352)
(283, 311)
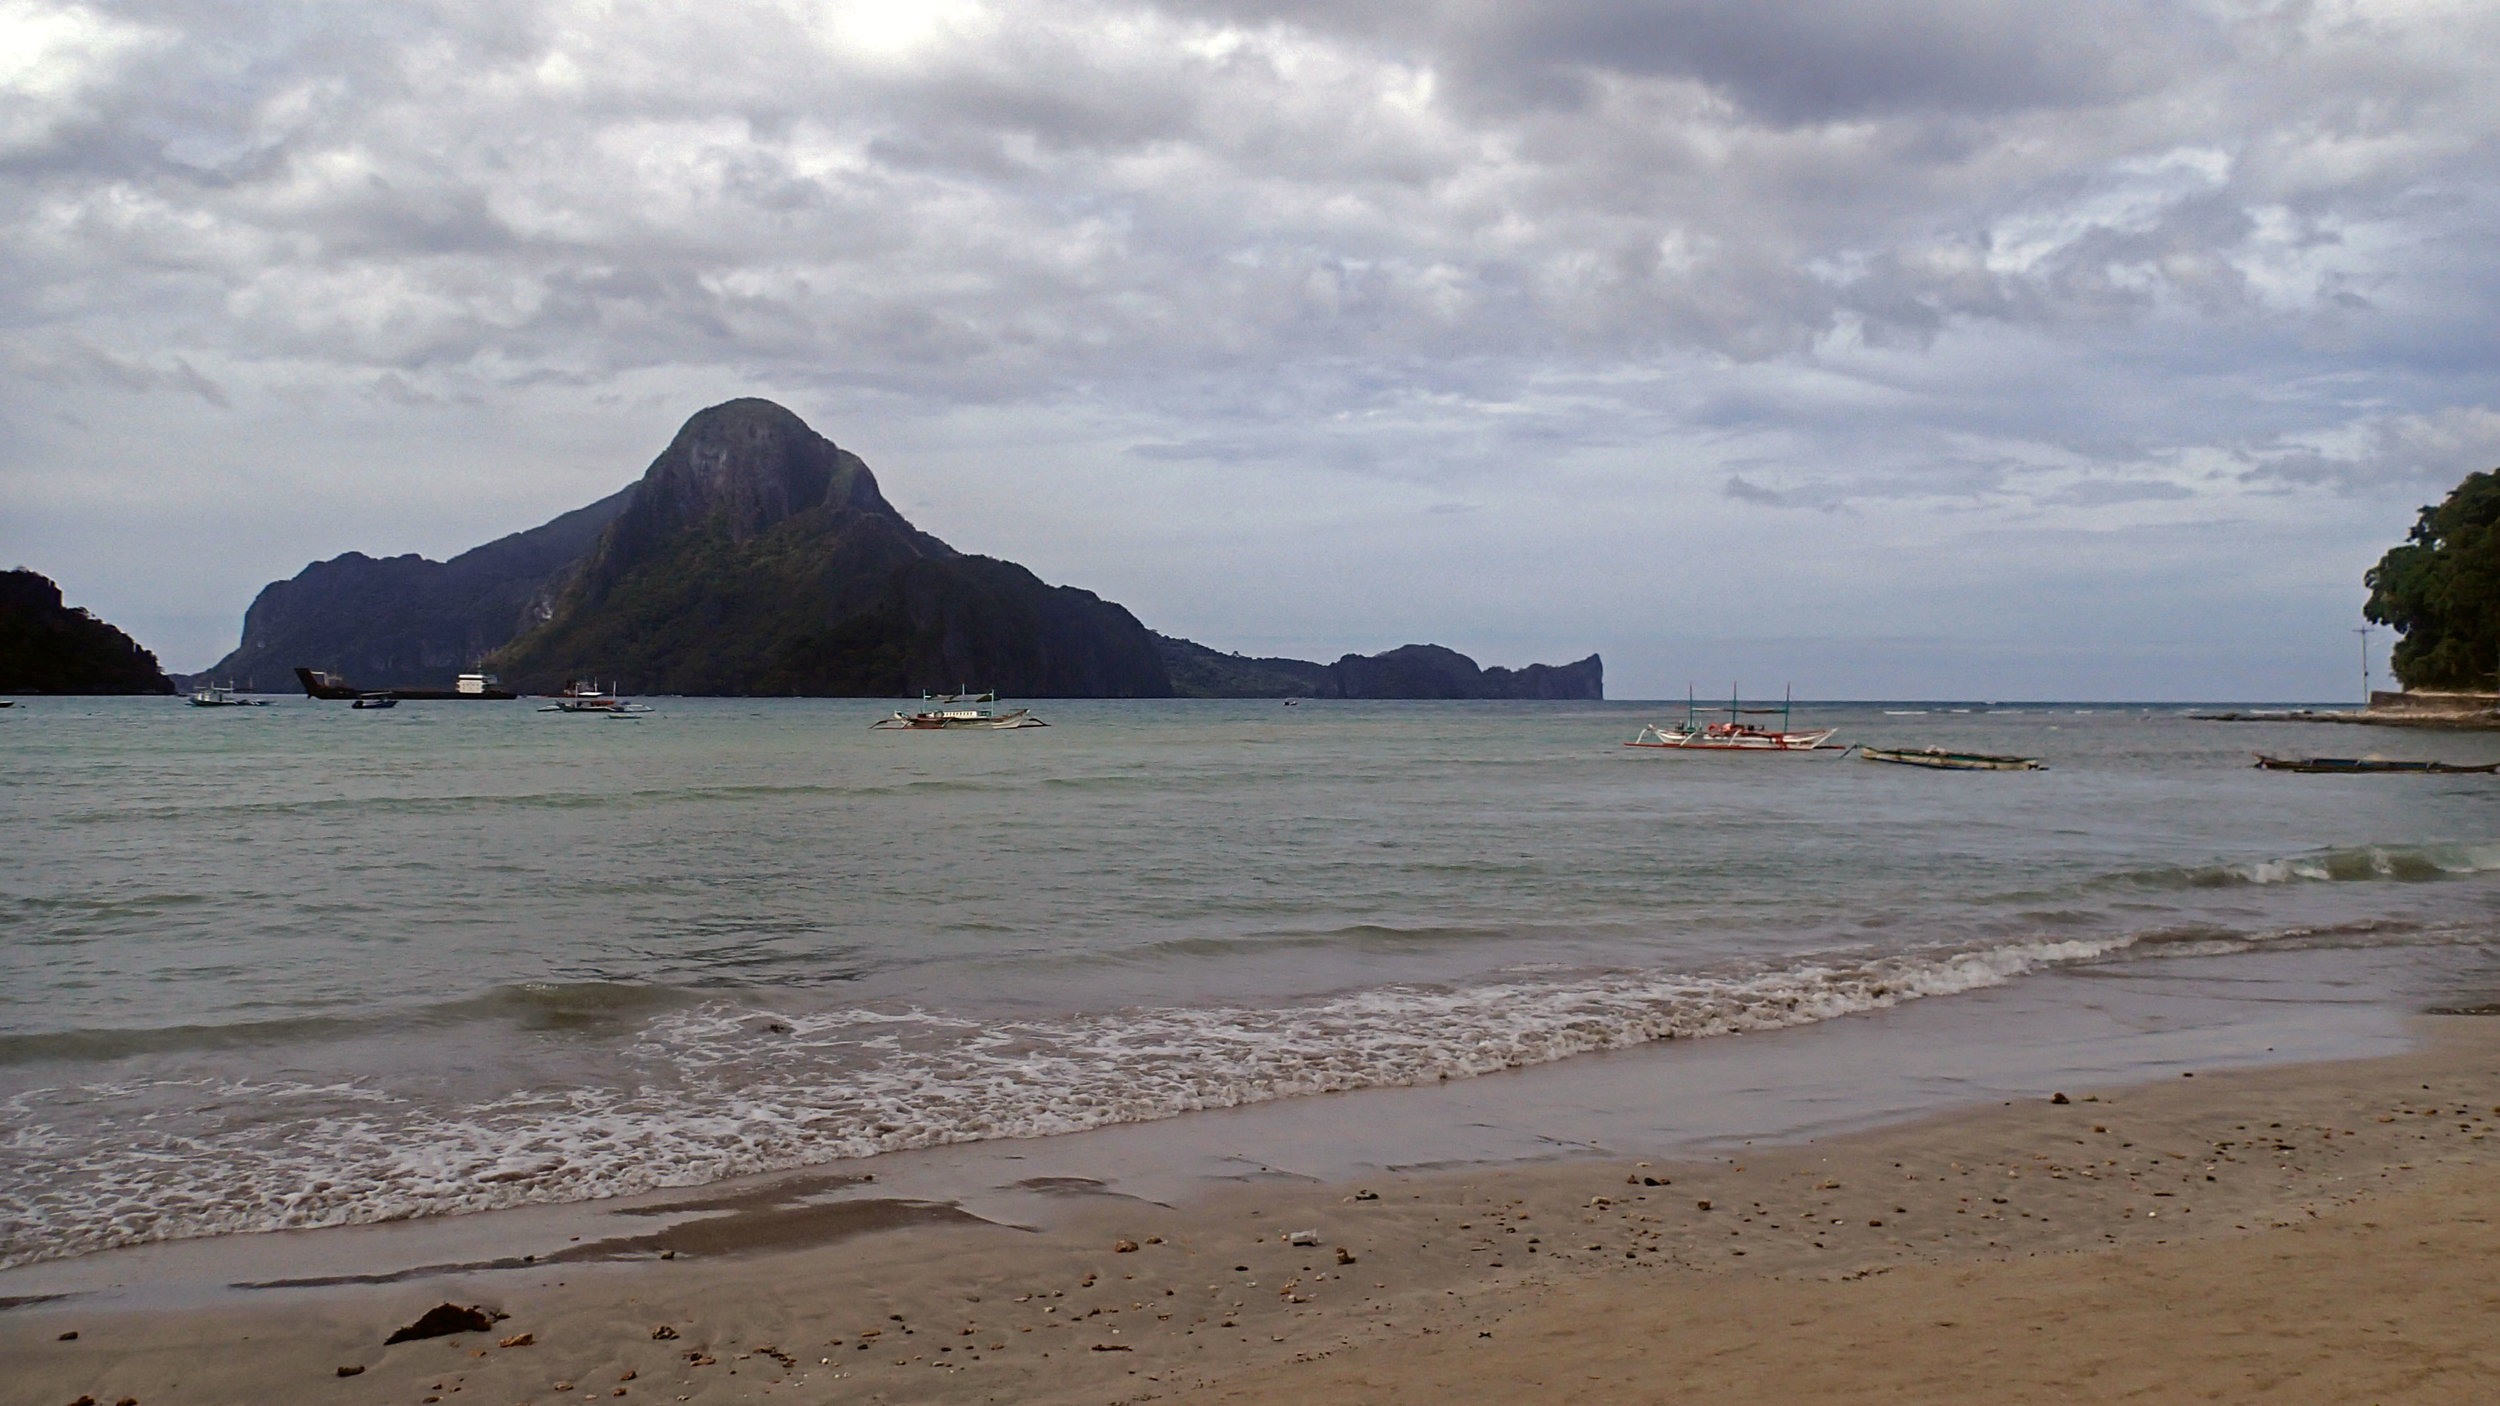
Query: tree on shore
(2441, 591)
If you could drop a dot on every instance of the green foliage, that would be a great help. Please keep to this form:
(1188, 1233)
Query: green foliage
(2441, 591)
(46, 647)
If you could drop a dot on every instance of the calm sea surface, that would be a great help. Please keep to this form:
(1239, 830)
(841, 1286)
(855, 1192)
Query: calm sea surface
(300, 965)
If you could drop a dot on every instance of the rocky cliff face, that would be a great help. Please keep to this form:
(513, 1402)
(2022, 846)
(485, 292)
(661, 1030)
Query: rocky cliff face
(759, 558)
(405, 621)
(48, 647)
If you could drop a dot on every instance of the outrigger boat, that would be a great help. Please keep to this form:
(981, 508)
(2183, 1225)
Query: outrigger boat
(222, 696)
(1734, 735)
(585, 696)
(2356, 766)
(1939, 759)
(937, 719)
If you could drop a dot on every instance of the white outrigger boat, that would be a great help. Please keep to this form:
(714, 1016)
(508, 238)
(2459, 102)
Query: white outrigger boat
(586, 696)
(936, 715)
(223, 696)
(1734, 735)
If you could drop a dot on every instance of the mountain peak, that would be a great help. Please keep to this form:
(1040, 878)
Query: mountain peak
(743, 466)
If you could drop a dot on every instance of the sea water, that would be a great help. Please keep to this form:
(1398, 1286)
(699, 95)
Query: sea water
(302, 965)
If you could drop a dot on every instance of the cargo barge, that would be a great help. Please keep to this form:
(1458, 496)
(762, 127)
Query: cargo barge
(468, 688)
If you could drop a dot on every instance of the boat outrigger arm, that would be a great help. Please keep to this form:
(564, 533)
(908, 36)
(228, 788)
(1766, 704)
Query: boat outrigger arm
(1735, 735)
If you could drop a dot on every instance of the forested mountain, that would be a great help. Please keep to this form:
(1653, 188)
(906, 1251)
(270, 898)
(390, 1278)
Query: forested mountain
(48, 647)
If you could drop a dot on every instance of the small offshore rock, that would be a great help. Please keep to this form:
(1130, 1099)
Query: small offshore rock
(1701, 1205)
(2059, 1098)
(1367, 1195)
(1344, 1255)
(1124, 1247)
(1657, 1181)
(1302, 1237)
(443, 1320)
(518, 1340)
(69, 1337)
(356, 1371)
(663, 1333)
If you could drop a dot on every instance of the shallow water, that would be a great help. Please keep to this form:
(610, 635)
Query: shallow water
(301, 965)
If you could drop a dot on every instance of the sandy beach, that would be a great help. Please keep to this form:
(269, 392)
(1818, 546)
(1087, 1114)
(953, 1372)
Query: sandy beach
(2310, 1232)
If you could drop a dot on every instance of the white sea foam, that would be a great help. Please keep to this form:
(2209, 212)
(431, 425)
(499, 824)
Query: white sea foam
(725, 1089)
(729, 1092)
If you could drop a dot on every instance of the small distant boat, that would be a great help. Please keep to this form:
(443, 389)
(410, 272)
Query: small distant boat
(952, 719)
(1938, 759)
(2355, 766)
(378, 700)
(586, 696)
(222, 696)
(1734, 735)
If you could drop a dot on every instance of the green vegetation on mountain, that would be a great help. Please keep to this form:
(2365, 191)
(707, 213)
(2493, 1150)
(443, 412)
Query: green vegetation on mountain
(758, 558)
(755, 557)
(2441, 591)
(47, 647)
(404, 621)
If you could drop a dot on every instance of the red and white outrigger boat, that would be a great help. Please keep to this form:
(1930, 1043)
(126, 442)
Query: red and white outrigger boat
(1734, 735)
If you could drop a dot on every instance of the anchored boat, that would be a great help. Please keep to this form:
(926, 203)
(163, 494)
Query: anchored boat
(586, 696)
(320, 683)
(1938, 759)
(1734, 735)
(2355, 766)
(942, 718)
(222, 696)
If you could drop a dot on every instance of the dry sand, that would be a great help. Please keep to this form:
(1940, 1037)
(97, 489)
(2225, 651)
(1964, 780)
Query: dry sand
(2301, 1233)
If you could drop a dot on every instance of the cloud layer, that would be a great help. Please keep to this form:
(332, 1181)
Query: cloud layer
(1542, 313)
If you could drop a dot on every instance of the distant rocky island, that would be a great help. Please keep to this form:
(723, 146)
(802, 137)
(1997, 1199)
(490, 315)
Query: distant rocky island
(1409, 671)
(755, 557)
(49, 647)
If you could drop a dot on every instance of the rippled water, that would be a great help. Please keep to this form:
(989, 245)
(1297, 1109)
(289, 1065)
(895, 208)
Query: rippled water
(301, 965)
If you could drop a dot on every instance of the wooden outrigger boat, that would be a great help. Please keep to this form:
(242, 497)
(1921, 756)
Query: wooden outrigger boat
(586, 696)
(1938, 759)
(2360, 766)
(223, 696)
(1734, 735)
(945, 719)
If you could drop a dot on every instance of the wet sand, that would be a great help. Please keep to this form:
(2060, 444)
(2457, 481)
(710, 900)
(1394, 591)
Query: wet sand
(2319, 1231)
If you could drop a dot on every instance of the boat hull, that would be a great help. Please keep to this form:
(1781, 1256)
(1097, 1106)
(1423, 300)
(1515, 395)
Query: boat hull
(1720, 738)
(1937, 759)
(958, 722)
(2371, 766)
(331, 686)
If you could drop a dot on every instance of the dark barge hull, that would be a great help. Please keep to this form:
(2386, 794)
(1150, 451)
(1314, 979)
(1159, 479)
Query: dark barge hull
(331, 686)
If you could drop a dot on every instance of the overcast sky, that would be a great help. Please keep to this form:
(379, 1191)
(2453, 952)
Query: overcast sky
(1892, 348)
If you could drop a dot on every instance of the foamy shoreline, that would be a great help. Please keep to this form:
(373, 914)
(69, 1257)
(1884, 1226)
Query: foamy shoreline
(1213, 1300)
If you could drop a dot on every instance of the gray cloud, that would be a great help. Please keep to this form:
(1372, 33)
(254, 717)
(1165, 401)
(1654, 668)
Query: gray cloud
(2005, 258)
